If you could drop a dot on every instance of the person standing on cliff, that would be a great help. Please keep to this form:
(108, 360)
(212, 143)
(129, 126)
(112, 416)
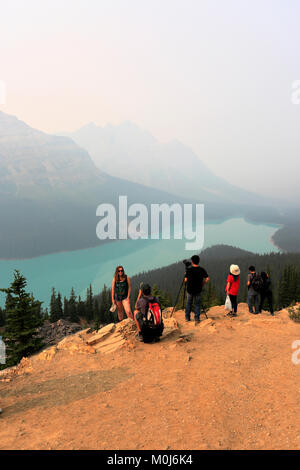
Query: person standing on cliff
(232, 288)
(254, 285)
(266, 292)
(120, 292)
(195, 277)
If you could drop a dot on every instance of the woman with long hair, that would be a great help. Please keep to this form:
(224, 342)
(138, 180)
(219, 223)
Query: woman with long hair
(232, 288)
(121, 288)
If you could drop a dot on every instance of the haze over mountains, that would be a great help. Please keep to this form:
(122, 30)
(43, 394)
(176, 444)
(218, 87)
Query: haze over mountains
(128, 152)
(34, 164)
(50, 187)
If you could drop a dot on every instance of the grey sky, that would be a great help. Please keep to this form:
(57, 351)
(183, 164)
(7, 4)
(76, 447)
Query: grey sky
(216, 75)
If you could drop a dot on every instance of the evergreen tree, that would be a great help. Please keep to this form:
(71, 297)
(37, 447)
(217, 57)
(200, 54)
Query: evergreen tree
(289, 290)
(81, 308)
(163, 297)
(66, 308)
(97, 315)
(72, 307)
(106, 316)
(22, 320)
(182, 297)
(46, 315)
(243, 294)
(2, 317)
(210, 295)
(59, 306)
(133, 299)
(56, 311)
(89, 304)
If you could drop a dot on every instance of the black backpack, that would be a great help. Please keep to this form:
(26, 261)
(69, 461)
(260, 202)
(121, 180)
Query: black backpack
(257, 282)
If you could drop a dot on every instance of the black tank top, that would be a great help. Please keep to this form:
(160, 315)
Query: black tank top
(121, 289)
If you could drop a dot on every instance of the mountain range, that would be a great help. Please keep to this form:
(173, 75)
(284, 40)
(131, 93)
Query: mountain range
(49, 191)
(129, 152)
(50, 186)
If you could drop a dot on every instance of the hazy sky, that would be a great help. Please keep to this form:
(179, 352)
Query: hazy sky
(216, 75)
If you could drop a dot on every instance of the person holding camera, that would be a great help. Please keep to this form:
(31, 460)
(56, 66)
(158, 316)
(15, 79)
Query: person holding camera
(195, 277)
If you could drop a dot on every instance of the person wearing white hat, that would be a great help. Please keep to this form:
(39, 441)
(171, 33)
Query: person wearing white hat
(232, 287)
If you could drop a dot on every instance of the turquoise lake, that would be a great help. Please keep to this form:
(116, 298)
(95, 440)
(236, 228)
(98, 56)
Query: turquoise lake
(96, 265)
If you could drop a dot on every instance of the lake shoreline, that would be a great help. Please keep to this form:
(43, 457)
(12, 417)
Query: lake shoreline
(95, 265)
(281, 250)
(104, 242)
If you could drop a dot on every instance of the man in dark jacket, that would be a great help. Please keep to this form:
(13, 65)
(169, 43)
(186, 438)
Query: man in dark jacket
(266, 293)
(195, 278)
(253, 295)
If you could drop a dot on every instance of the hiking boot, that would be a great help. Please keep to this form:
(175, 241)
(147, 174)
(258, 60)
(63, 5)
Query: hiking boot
(197, 322)
(187, 319)
(139, 337)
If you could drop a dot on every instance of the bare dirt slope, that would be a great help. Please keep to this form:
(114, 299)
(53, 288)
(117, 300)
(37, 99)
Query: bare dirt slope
(226, 384)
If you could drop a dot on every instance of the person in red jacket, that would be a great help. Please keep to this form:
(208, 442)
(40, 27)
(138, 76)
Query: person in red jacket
(232, 288)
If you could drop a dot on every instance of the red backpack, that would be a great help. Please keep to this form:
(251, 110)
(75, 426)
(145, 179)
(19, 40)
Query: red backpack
(153, 325)
(154, 315)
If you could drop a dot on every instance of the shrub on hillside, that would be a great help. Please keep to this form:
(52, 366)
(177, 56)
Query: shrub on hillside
(294, 313)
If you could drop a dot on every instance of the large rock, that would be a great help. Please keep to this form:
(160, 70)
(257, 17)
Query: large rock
(47, 354)
(101, 334)
(170, 327)
(112, 343)
(74, 344)
(113, 337)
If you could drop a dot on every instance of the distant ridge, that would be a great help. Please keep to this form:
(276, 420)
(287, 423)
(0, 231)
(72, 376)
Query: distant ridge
(129, 152)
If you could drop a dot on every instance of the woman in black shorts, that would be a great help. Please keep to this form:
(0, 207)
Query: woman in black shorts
(121, 288)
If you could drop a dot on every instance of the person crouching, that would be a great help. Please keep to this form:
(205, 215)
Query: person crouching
(148, 316)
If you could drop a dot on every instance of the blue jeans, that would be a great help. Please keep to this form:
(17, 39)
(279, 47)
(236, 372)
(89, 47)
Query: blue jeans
(253, 299)
(197, 304)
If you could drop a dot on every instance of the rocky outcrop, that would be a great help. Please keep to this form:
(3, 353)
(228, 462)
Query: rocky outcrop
(101, 334)
(106, 340)
(52, 333)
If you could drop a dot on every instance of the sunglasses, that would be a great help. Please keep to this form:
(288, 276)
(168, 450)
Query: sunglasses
(120, 270)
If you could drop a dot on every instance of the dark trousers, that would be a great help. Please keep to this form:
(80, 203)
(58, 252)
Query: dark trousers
(189, 303)
(233, 299)
(269, 296)
(253, 298)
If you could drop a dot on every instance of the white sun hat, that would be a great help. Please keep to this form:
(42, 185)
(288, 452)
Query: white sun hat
(235, 270)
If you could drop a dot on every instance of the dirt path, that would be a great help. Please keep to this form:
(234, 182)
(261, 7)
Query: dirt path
(231, 386)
